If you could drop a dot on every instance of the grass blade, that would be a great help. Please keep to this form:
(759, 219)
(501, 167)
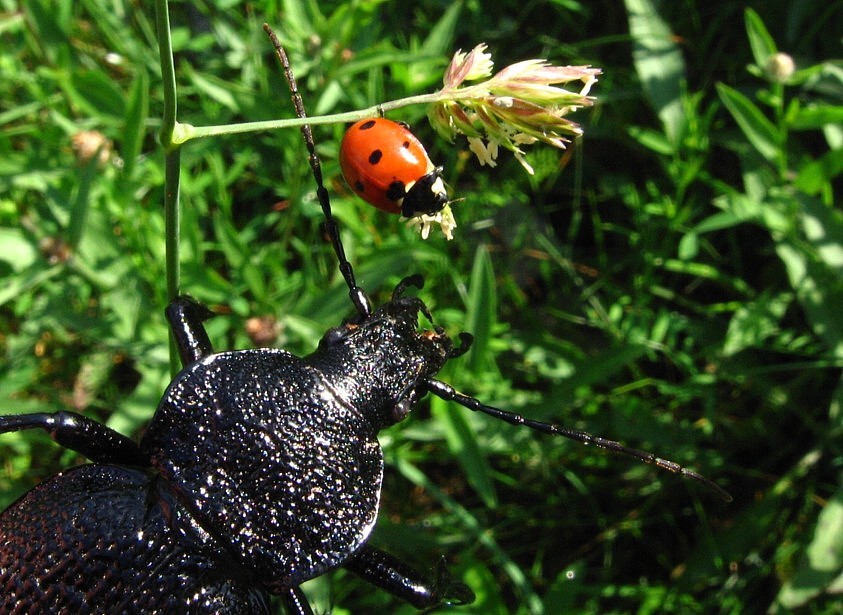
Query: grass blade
(757, 129)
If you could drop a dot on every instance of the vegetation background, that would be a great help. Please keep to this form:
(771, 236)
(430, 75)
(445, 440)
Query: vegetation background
(673, 281)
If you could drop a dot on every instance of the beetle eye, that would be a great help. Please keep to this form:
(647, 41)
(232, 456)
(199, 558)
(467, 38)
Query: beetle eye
(402, 409)
(334, 336)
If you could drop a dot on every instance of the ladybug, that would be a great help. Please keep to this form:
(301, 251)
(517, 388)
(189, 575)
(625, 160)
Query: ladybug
(387, 166)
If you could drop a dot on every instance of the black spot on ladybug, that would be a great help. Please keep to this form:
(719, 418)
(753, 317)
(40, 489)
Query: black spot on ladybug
(375, 157)
(395, 191)
(405, 145)
(367, 125)
(358, 186)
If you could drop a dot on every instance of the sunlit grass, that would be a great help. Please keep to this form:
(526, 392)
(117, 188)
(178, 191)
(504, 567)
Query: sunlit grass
(671, 281)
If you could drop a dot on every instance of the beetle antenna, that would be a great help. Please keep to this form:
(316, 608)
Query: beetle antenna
(358, 296)
(448, 393)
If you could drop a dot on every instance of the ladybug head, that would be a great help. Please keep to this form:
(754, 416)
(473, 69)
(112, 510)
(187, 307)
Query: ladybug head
(426, 196)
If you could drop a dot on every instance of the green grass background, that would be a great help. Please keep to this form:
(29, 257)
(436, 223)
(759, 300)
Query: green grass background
(674, 281)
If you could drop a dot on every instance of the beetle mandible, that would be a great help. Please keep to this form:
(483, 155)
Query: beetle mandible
(259, 469)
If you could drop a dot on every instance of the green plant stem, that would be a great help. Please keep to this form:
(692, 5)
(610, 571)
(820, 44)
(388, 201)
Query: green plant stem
(168, 74)
(172, 152)
(186, 132)
(777, 90)
(172, 220)
(172, 163)
(172, 225)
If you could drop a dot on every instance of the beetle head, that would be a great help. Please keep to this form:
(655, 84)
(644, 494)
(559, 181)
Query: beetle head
(379, 362)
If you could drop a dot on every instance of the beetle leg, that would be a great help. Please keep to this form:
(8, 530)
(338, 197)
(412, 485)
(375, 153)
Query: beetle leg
(296, 603)
(391, 574)
(466, 340)
(81, 434)
(185, 316)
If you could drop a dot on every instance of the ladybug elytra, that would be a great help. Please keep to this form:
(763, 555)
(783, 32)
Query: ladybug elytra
(387, 166)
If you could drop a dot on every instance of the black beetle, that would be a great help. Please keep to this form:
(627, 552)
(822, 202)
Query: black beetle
(259, 470)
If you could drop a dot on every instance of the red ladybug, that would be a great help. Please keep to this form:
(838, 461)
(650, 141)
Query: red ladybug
(387, 166)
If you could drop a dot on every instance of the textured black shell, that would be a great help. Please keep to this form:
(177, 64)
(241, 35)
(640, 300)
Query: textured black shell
(268, 456)
(266, 472)
(86, 541)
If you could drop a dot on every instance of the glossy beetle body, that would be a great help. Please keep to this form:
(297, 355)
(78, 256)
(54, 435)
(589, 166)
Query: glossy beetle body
(290, 469)
(291, 444)
(265, 471)
(87, 540)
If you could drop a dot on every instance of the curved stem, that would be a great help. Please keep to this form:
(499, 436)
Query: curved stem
(186, 132)
(168, 74)
(172, 160)
(777, 89)
(172, 219)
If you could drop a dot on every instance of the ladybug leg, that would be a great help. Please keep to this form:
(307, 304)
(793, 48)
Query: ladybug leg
(394, 576)
(296, 603)
(185, 316)
(81, 434)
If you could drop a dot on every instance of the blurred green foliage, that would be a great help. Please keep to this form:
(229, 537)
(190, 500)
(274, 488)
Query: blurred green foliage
(676, 283)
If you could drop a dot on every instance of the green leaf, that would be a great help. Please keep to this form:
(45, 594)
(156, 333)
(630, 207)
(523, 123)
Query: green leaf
(689, 246)
(822, 564)
(819, 116)
(297, 23)
(762, 44)
(530, 601)
(598, 368)
(718, 222)
(53, 40)
(462, 443)
(441, 37)
(818, 292)
(31, 278)
(18, 251)
(135, 126)
(754, 322)
(823, 228)
(652, 140)
(97, 93)
(758, 130)
(706, 271)
(481, 310)
(815, 176)
(659, 64)
(81, 204)
(825, 552)
(215, 88)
